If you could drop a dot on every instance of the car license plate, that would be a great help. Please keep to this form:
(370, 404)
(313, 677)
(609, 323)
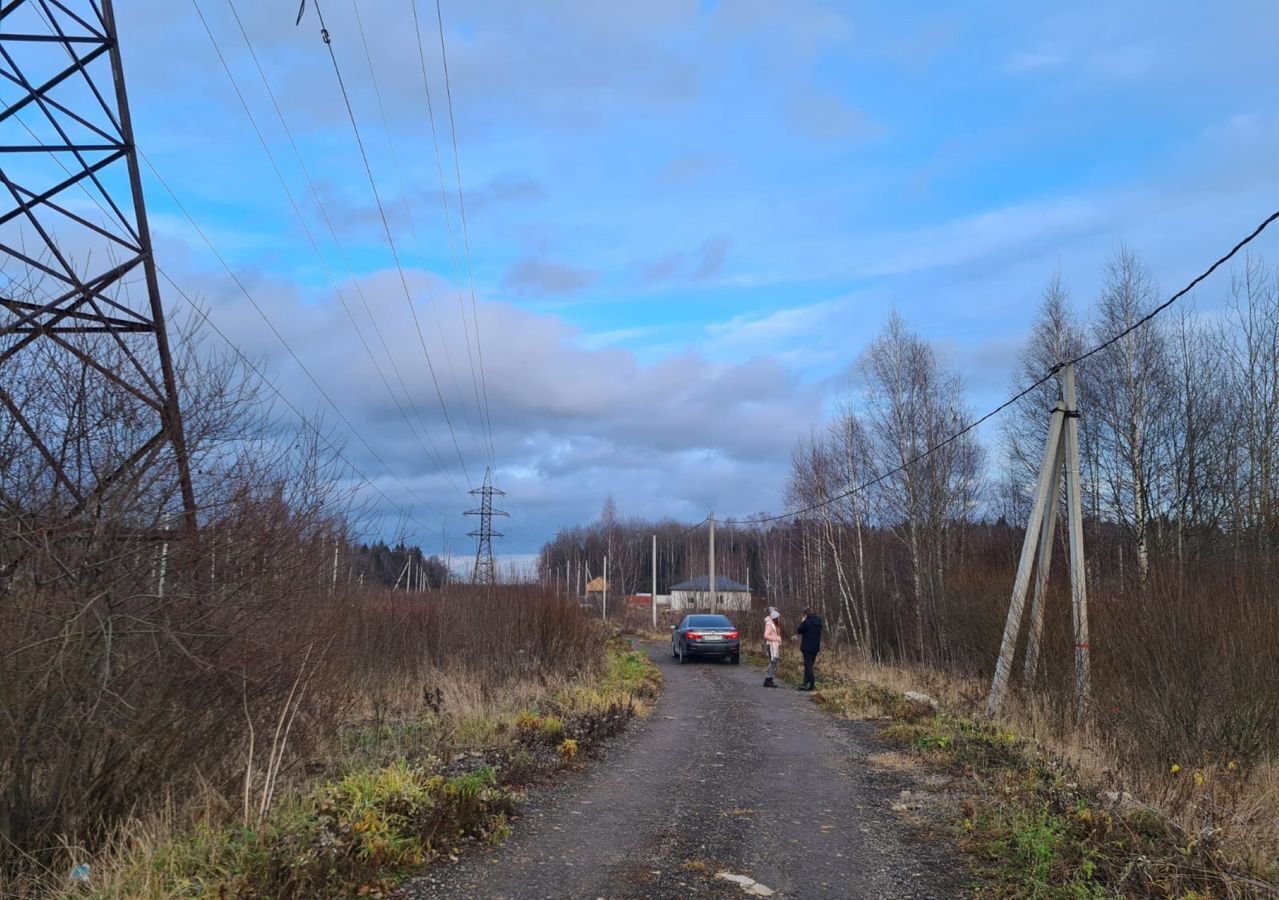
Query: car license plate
(713, 637)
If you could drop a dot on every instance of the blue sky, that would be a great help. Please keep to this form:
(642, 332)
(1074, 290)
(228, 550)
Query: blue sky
(687, 219)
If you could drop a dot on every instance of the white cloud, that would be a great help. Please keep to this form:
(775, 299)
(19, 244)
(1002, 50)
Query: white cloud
(571, 422)
(967, 239)
(783, 327)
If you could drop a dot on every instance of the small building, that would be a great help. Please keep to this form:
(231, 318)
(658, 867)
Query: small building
(595, 589)
(695, 594)
(645, 599)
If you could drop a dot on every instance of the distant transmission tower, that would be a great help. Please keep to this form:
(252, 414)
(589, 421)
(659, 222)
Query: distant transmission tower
(78, 282)
(485, 572)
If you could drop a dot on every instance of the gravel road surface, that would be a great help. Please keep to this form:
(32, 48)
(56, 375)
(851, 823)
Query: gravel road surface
(724, 776)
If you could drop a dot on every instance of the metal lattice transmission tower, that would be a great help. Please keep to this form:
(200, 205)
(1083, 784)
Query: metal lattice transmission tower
(79, 297)
(485, 572)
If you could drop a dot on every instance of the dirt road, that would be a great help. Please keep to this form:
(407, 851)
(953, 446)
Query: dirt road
(724, 776)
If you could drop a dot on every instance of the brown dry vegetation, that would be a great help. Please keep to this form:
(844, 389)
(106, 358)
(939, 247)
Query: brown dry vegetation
(1046, 811)
(230, 714)
(235, 775)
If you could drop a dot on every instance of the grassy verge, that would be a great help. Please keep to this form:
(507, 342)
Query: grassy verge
(1040, 826)
(399, 795)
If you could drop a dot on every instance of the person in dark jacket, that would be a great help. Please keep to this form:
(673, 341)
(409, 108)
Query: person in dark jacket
(810, 643)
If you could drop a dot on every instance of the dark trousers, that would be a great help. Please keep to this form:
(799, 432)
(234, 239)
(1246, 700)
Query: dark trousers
(809, 659)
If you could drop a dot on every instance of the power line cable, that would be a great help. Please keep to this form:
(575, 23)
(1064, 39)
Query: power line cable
(316, 195)
(302, 417)
(1175, 297)
(1019, 395)
(257, 371)
(690, 529)
(466, 230)
(417, 240)
(319, 200)
(271, 325)
(390, 238)
(448, 224)
(432, 452)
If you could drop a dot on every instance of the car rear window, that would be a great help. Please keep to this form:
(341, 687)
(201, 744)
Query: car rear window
(709, 622)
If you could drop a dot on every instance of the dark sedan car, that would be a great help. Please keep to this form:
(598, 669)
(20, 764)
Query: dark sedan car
(706, 635)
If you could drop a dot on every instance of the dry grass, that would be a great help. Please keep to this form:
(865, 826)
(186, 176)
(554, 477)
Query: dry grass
(384, 797)
(420, 692)
(1220, 817)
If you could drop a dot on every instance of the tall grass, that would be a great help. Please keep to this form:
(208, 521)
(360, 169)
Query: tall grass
(145, 670)
(235, 708)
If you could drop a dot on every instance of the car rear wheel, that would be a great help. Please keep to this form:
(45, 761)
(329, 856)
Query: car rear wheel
(735, 659)
(683, 655)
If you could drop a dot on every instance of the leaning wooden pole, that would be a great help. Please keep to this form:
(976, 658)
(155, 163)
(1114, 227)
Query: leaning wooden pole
(1017, 605)
(1042, 567)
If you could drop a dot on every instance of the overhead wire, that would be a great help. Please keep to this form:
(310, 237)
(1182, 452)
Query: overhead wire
(302, 417)
(315, 193)
(431, 451)
(239, 353)
(239, 283)
(466, 230)
(692, 528)
(386, 226)
(275, 389)
(417, 240)
(1256, 232)
(448, 224)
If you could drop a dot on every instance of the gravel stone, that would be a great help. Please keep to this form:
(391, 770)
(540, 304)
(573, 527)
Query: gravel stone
(723, 777)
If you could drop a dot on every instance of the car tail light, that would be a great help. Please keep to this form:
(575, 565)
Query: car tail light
(693, 635)
(732, 635)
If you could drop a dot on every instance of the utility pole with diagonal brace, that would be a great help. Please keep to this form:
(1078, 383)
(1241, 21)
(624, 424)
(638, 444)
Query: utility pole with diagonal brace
(1061, 458)
(485, 572)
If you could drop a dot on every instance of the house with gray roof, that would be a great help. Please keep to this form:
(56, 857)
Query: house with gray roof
(695, 594)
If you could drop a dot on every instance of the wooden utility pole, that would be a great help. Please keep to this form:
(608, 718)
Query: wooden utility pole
(604, 610)
(711, 584)
(653, 596)
(1075, 522)
(1061, 452)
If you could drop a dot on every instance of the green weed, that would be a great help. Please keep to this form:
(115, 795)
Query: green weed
(1034, 830)
(632, 673)
(391, 806)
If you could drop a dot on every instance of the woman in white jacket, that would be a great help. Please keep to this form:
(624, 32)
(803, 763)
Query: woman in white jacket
(773, 641)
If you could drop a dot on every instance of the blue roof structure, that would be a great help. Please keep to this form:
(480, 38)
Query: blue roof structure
(703, 582)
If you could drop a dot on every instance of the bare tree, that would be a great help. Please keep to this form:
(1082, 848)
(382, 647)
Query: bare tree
(912, 405)
(1250, 340)
(1129, 397)
(1055, 337)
